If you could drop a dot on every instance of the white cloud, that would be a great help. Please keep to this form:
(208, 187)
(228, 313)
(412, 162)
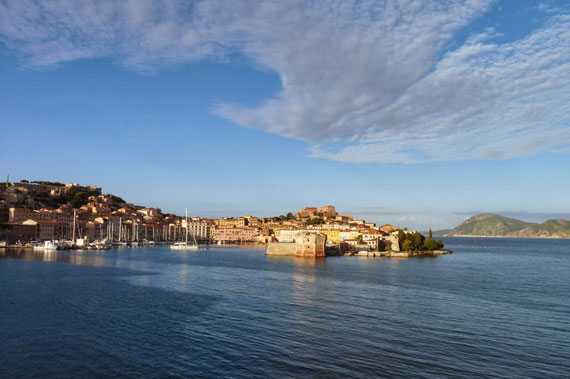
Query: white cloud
(376, 78)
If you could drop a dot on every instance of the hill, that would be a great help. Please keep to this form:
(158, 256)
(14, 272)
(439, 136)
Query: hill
(491, 225)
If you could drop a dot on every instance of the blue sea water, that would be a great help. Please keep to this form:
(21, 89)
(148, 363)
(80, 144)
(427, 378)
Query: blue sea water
(494, 308)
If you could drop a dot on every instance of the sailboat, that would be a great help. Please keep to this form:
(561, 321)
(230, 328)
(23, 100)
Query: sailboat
(185, 245)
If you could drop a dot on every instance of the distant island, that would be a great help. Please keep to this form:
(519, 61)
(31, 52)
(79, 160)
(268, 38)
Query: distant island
(492, 225)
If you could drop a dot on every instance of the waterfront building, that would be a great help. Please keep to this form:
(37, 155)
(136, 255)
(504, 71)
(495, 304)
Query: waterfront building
(348, 234)
(224, 234)
(45, 230)
(289, 235)
(199, 230)
(21, 232)
(332, 235)
(372, 244)
(310, 245)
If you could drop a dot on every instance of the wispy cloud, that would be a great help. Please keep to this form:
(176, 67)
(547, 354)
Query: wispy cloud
(362, 81)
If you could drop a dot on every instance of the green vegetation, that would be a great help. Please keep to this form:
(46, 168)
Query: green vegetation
(417, 241)
(79, 199)
(117, 199)
(315, 221)
(289, 216)
(45, 182)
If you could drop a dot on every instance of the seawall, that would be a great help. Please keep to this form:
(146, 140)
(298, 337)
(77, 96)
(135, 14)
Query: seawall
(281, 248)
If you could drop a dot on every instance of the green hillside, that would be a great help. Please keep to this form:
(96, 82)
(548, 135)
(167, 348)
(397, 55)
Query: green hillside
(491, 225)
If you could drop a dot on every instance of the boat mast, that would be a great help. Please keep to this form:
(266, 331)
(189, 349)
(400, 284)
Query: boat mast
(187, 226)
(73, 235)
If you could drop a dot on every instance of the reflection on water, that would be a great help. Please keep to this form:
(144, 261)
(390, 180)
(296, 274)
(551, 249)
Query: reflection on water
(78, 257)
(304, 278)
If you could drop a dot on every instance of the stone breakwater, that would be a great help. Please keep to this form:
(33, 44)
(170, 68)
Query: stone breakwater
(289, 249)
(281, 248)
(399, 254)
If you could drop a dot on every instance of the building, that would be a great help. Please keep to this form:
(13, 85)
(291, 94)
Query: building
(18, 215)
(149, 212)
(224, 234)
(289, 235)
(348, 235)
(311, 245)
(45, 230)
(327, 211)
(228, 222)
(199, 230)
(17, 232)
(333, 236)
(42, 215)
(307, 212)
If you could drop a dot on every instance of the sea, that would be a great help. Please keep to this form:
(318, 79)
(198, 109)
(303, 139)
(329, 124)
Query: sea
(495, 308)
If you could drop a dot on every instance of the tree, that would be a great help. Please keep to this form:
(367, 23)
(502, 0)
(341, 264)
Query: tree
(117, 199)
(79, 199)
(407, 245)
(439, 244)
(315, 221)
(290, 216)
(430, 244)
(417, 241)
(430, 235)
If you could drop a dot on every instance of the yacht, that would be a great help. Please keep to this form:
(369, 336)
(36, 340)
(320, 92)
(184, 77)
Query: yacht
(46, 245)
(185, 245)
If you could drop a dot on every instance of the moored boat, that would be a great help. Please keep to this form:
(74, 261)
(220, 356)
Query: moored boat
(46, 245)
(185, 245)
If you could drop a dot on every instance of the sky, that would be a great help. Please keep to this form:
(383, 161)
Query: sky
(417, 113)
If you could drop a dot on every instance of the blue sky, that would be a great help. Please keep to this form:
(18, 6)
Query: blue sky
(416, 113)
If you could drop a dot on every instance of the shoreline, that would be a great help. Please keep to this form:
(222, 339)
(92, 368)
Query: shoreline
(512, 237)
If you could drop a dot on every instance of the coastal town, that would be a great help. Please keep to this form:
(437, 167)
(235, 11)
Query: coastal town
(77, 216)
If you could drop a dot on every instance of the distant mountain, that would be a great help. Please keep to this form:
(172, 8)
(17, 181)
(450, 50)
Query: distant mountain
(491, 225)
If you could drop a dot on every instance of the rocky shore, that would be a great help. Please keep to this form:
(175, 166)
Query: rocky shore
(398, 254)
(289, 249)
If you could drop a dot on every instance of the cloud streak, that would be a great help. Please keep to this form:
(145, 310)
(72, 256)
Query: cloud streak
(362, 81)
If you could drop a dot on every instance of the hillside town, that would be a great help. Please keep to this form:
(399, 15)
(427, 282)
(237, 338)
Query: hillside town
(48, 211)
